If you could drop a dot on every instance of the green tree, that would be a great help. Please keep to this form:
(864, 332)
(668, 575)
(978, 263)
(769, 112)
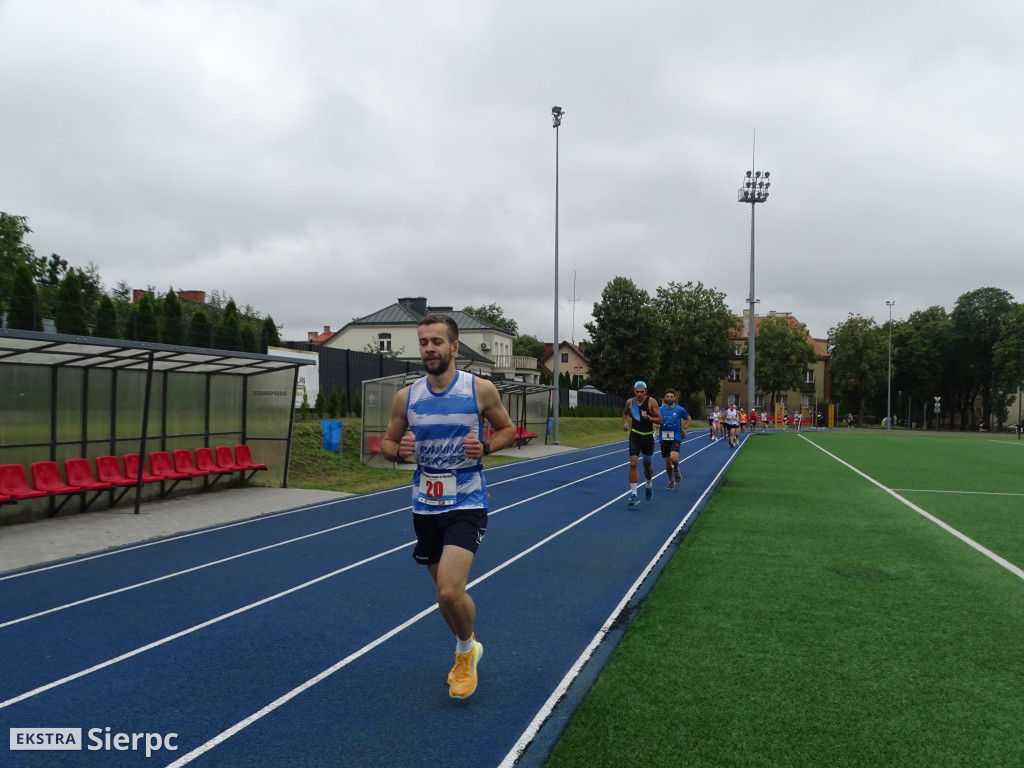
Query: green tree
(783, 355)
(15, 251)
(320, 404)
(174, 324)
(54, 271)
(107, 326)
(694, 328)
(229, 329)
(624, 339)
(494, 315)
(979, 320)
(146, 326)
(859, 353)
(269, 336)
(921, 352)
(199, 328)
(248, 340)
(69, 315)
(23, 307)
(528, 346)
(1008, 357)
(334, 404)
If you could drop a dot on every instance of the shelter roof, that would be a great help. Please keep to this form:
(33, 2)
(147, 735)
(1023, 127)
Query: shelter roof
(61, 350)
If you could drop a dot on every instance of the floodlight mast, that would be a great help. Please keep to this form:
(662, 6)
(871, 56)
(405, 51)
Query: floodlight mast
(556, 121)
(888, 402)
(754, 190)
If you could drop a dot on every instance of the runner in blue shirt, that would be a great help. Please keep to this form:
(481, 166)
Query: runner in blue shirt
(673, 430)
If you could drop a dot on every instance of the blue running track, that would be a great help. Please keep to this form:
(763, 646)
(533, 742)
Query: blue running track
(311, 638)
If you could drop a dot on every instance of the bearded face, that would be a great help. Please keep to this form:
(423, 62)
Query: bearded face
(436, 351)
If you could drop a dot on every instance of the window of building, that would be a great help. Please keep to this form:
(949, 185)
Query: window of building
(738, 350)
(384, 342)
(734, 375)
(565, 357)
(809, 378)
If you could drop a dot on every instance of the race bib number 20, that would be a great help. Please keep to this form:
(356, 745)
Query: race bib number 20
(437, 489)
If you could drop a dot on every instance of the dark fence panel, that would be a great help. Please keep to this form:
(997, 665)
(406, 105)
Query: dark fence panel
(346, 369)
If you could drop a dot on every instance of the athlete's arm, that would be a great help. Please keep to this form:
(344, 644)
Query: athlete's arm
(398, 442)
(654, 414)
(491, 408)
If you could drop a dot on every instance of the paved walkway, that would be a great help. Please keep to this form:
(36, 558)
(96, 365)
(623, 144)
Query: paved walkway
(57, 538)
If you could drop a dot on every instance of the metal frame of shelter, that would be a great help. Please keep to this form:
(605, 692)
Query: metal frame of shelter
(527, 404)
(73, 396)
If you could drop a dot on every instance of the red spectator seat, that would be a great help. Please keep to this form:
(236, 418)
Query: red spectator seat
(226, 459)
(108, 470)
(374, 443)
(14, 483)
(244, 456)
(79, 472)
(131, 470)
(183, 463)
(6, 499)
(46, 478)
(160, 465)
(206, 462)
(523, 437)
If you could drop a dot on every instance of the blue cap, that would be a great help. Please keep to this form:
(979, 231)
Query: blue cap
(640, 385)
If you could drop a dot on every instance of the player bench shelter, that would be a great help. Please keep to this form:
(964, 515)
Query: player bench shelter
(64, 397)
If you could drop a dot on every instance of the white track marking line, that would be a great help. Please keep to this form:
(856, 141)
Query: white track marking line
(195, 568)
(190, 630)
(263, 601)
(945, 526)
(280, 701)
(968, 493)
(232, 557)
(545, 711)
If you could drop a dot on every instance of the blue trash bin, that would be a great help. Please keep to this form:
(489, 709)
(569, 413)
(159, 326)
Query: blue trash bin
(332, 434)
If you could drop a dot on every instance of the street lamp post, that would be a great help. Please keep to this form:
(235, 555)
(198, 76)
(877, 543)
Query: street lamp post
(888, 405)
(754, 190)
(556, 121)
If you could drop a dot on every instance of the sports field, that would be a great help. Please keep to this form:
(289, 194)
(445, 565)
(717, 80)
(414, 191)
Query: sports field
(845, 598)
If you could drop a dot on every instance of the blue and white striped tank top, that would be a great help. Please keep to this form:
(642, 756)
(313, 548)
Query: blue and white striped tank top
(445, 477)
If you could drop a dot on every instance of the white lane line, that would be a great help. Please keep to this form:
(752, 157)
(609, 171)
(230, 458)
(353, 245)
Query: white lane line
(179, 537)
(190, 630)
(221, 561)
(263, 601)
(195, 568)
(545, 711)
(261, 518)
(945, 526)
(285, 698)
(280, 701)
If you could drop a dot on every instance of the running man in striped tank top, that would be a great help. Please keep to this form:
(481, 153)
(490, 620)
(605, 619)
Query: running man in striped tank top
(439, 420)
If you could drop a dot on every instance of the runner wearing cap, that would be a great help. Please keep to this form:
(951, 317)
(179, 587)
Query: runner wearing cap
(639, 417)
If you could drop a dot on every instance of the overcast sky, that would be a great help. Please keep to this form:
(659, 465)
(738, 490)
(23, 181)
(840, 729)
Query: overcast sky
(318, 159)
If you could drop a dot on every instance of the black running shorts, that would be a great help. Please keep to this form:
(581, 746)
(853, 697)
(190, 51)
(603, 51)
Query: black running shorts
(668, 447)
(641, 444)
(461, 527)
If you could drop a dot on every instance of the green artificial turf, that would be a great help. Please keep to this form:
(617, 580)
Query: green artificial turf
(810, 618)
